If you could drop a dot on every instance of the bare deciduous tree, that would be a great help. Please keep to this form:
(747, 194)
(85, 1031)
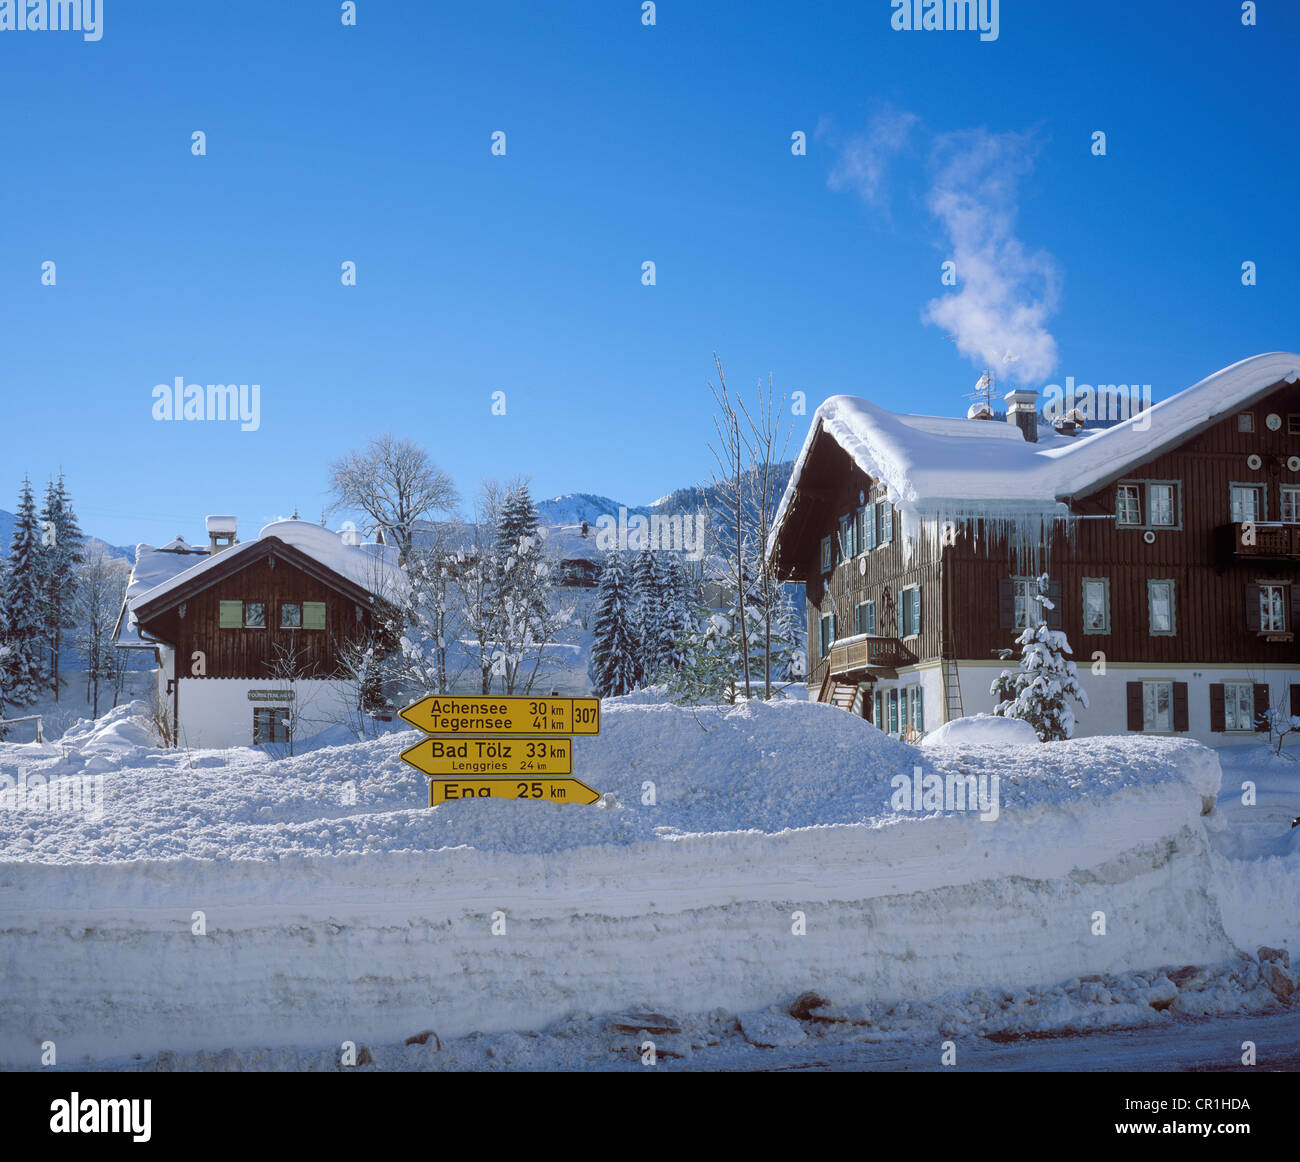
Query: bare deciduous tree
(393, 481)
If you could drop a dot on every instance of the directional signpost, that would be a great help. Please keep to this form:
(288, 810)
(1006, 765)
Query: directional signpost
(480, 753)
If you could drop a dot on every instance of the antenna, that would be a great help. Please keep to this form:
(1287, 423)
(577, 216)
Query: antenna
(987, 383)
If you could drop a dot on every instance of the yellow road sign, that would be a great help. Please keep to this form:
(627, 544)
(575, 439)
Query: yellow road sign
(549, 790)
(462, 715)
(492, 756)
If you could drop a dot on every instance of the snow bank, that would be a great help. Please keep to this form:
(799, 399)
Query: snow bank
(982, 730)
(752, 852)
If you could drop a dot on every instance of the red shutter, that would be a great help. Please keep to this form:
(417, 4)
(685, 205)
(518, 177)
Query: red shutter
(1261, 707)
(1252, 607)
(1218, 717)
(1180, 706)
(1295, 608)
(1134, 690)
(1006, 603)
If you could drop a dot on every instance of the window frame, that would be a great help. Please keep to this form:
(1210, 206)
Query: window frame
(825, 639)
(1172, 631)
(1260, 490)
(1246, 423)
(1104, 582)
(1144, 492)
(248, 605)
(284, 605)
(828, 553)
(1250, 728)
(1293, 423)
(869, 606)
(905, 607)
(848, 536)
(1169, 684)
(1283, 489)
(276, 716)
(1285, 602)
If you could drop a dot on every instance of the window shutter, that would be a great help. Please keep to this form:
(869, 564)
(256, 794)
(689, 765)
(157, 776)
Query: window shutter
(919, 704)
(916, 610)
(902, 597)
(1261, 708)
(1295, 607)
(1295, 699)
(231, 614)
(871, 617)
(869, 526)
(313, 615)
(889, 521)
(1134, 693)
(1054, 596)
(1006, 603)
(1252, 607)
(1218, 717)
(1180, 706)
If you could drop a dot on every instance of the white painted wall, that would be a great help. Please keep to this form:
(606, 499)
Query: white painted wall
(217, 712)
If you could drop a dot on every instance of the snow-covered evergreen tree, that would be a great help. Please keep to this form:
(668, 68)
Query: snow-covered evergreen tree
(60, 541)
(23, 621)
(614, 643)
(706, 672)
(1039, 692)
(647, 612)
(676, 622)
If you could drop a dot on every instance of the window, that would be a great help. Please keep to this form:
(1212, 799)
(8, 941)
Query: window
(909, 611)
(290, 615)
(1239, 706)
(1128, 504)
(1246, 502)
(828, 554)
(1272, 607)
(1148, 504)
(1096, 605)
(1160, 608)
(1245, 421)
(270, 724)
(848, 537)
(862, 530)
(1026, 590)
(231, 614)
(1293, 424)
(827, 633)
(254, 615)
(1162, 509)
(1291, 503)
(892, 698)
(864, 617)
(1157, 706)
(884, 522)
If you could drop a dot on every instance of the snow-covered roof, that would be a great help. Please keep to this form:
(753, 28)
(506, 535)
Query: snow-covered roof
(372, 567)
(938, 467)
(152, 567)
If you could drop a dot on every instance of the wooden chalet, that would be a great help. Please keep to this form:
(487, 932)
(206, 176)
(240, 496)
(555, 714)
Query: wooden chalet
(1172, 541)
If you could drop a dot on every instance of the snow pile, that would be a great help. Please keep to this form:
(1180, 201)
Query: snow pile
(982, 730)
(751, 852)
(123, 731)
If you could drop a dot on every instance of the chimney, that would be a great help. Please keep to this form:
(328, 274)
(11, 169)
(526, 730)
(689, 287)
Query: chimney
(221, 533)
(1022, 410)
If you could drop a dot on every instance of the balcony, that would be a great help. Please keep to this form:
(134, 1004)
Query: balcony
(867, 655)
(1263, 540)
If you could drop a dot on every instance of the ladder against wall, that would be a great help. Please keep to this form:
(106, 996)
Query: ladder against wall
(952, 689)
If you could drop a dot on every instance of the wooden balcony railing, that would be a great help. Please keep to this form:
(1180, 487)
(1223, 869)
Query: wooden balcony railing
(869, 653)
(1270, 539)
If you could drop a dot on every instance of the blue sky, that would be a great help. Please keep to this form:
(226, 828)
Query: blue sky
(625, 143)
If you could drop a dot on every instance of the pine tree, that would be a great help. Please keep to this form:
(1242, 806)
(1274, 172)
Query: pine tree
(1037, 693)
(23, 623)
(647, 602)
(706, 672)
(613, 645)
(61, 543)
(676, 622)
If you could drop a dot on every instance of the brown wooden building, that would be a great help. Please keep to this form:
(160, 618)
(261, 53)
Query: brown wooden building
(251, 640)
(1172, 541)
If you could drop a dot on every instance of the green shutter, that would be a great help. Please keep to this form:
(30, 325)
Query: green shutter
(916, 610)
(232, 614)
(900, 611)
(918, 709)
(313, 615)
